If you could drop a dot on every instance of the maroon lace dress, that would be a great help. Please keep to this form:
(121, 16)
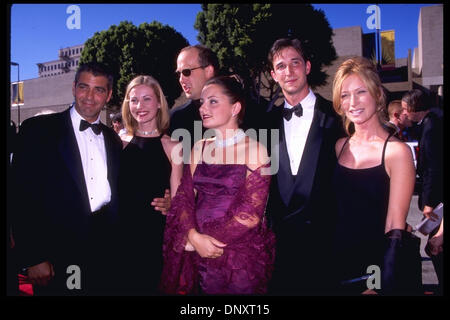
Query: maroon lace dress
(225, 196)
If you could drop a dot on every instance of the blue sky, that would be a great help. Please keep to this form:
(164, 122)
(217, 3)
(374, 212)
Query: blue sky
(38, 31)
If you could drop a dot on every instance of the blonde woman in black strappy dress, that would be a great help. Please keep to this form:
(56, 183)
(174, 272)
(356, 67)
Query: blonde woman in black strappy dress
(374, 182)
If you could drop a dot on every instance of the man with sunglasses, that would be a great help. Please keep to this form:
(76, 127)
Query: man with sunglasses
(195, 65)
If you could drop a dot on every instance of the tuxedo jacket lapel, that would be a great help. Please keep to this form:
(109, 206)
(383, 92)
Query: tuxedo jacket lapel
(308, 164)
(111, 156)
(68, 147)
(284, 176)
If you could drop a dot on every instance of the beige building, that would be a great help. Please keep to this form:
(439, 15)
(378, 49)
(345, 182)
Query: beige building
(423, 68)
(52, 90)
(68, 62)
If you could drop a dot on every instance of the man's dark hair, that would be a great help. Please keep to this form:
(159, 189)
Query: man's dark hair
(117, 118)
(283, 43)
(416, 100)
(97, 69)
(206, 57)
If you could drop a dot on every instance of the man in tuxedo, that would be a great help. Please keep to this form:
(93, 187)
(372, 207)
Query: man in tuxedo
(430, 161)
(300, 206)
(195, 65)
(66, 168)
(12, 284)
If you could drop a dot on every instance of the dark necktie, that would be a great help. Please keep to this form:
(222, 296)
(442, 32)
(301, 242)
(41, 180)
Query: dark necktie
(96, 128)
(287, 113)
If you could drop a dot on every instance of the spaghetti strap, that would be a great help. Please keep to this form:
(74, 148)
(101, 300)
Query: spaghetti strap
(384, 148)
(342, 149)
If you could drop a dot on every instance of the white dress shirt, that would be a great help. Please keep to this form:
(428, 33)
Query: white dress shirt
(296, 130)
(93, 157)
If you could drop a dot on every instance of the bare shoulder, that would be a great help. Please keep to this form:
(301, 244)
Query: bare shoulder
(397, 150)
(339, 144)
(258, 154)
(197, 149)
(196, 154)
(169, 145)
(198, 146)
(168, 142)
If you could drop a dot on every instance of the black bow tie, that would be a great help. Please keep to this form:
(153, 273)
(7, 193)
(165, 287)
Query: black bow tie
(96, 127)
(287, 113)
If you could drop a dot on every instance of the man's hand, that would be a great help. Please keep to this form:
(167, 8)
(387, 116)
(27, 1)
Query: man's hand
(41, 273)
(428, 212)
(162, 204)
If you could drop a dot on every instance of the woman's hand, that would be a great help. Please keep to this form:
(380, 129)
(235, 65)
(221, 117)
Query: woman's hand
(369, 292)
(189, 246)
(205, 245)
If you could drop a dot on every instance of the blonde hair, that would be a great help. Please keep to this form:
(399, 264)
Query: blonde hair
(393, 107)
(162, 117)
(367, 72)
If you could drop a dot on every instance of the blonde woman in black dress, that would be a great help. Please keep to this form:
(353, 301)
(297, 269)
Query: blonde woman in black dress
(147, 170)
(374, 182)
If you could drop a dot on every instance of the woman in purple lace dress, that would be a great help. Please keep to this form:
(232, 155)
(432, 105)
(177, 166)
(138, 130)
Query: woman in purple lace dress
(216, 240)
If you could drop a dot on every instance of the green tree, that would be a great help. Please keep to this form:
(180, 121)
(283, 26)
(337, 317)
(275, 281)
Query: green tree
(241, 35)
(128, 51)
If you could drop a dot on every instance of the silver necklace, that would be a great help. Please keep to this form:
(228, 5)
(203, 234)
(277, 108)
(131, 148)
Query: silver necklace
(147, 133)
(230, 141)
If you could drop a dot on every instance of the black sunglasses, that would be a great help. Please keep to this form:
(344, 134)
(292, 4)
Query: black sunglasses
(187, 72)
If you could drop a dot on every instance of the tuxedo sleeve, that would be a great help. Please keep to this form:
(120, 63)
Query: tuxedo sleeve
(432, 172)
(30, 223)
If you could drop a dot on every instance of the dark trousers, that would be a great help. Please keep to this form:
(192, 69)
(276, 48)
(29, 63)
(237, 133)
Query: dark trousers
(438, 264)
(12, 270)
(302, 265)
(96, 260)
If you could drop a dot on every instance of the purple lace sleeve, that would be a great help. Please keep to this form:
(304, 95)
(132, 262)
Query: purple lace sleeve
(246, 213)
(178, 270)
(250, 245)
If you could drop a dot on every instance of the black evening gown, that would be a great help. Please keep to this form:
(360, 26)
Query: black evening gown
(363, 198)
(144, 175)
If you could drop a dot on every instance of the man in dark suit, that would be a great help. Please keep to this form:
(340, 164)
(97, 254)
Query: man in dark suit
(66, 168)
(300, 207)
(12, 284)
(430, 161)
(195, 65)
